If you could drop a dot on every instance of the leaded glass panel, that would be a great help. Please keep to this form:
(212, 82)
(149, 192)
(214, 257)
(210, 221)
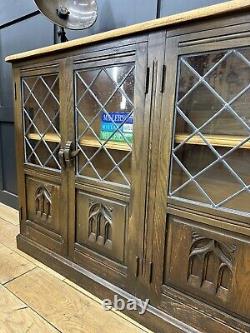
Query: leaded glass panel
(104, 109)
(210, 151)
(41, 115)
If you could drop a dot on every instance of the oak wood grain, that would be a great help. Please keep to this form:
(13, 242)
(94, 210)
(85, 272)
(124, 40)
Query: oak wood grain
(12, 265)
(24, 320)
(50, 137)
(215, 140)
(219, 9)
(8, 233)
(90, 142)
(64, 307)
(99, 301)
(9, 214)
(15, 317)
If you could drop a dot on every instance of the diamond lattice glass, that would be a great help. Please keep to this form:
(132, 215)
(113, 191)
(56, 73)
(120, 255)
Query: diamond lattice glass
(41, 114)
(104, 104)
(210, 152)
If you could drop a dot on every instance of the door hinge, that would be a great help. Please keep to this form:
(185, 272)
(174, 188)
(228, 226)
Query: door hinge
(137, 267)
(147, 80)
(150, 272)
(163, 78)
(21, 213)
(15, 93)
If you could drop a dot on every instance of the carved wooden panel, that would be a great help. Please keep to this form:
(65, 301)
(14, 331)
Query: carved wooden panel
(208, 264)
(43, 204)
(101, 225)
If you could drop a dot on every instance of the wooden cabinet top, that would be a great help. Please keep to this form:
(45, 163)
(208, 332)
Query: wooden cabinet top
(210, 11)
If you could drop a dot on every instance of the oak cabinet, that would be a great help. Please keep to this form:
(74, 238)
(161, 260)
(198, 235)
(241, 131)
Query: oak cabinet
(202, 196)
(133, 169)
(84, 124)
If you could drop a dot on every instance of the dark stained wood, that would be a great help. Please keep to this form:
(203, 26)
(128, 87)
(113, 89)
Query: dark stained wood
(156, 89)
(19, 147)
(163, 165)
(34, 209)
(113, 247)
(125, 217)
(222, 228)
(191, 260)
(44, 215)
(224, 287)
(67, 130)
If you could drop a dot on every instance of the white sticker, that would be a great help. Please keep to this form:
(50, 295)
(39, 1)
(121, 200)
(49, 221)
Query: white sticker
(127, 128)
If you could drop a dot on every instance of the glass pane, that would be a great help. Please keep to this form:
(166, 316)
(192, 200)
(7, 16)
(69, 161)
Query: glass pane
(104, 105)
(210, 153)
(41, 113)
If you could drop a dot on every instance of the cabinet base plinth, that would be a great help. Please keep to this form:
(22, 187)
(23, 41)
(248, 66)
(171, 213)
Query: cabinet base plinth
(153, 318)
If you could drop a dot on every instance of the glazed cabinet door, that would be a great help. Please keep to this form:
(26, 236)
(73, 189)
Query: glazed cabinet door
(111, 164)
(40, 114)
(202, 244)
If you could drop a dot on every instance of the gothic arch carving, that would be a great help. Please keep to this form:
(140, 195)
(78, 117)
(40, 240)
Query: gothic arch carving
(210, 265)
(100, 224)
(43, 203)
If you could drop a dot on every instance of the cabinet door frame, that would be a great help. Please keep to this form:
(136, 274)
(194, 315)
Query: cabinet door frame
(135, 50)
(201, 38)
(56, 241)
(156, 88)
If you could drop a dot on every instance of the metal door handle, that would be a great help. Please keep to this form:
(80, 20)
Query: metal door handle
(67, 154)
(61, 158)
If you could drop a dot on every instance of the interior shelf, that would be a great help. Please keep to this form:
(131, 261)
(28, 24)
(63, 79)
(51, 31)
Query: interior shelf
(92, 142)
(215, 140)
(87, 142)
(50, 137)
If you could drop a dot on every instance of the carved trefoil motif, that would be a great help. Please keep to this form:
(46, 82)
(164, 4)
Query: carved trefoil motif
(43, 204)
(210, 266)
(100, 224)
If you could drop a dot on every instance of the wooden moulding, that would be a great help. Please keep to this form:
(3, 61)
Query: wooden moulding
(219, 9)
(214, 140)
